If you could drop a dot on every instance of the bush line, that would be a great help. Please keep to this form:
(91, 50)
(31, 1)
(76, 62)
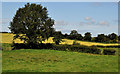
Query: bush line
(76, 48)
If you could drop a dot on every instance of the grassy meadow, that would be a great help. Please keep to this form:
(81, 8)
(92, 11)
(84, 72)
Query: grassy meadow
(44, 60)
(56, 61)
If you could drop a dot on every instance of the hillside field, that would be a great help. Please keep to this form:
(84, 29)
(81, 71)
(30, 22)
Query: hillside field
(29, 60)
(7, 38)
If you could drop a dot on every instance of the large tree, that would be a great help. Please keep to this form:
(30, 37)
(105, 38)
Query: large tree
(32, 24)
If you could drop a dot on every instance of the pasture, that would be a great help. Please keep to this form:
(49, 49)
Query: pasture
(7, 38)
(56, 61)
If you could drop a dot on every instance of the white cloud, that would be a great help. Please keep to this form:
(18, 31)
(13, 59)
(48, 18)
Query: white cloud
(88, 18)
(60, 22)
(103, 23)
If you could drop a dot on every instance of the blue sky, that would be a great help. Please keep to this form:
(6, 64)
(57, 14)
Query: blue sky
(94, 17)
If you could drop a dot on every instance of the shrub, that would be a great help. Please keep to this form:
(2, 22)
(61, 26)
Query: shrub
(77, 48)
(109, 52)
(33, 46)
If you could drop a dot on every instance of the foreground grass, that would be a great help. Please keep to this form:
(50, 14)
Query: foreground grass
(28, 60)
(7, 38)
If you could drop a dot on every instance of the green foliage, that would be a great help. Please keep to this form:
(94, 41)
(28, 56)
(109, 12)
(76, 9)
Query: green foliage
(77, 48)
(57, 37)
(119, 37)
(73, 32)
(109, 52)
(113, 36)
(34, 46)
(32, 24)
(87, 36)
(74, 35)
(100, 38)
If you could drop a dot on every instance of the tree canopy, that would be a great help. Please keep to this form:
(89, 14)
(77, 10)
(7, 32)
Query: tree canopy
(32, 24)
(87, 36)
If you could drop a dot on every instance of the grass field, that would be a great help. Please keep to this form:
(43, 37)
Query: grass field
(7, 38)
(56, 61)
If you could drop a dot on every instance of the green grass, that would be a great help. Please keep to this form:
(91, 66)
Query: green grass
(6, 46)
(28, 60)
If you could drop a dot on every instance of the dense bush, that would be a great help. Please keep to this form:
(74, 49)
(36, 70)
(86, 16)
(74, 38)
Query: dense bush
(33, 46)
(109, 52)
(78, 48)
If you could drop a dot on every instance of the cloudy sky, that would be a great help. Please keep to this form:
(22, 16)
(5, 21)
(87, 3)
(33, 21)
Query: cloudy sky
(94, 17)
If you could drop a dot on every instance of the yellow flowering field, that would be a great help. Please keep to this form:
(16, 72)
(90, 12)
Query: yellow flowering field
(7, 38)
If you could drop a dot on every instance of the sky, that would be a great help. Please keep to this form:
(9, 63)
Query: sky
(94, 17)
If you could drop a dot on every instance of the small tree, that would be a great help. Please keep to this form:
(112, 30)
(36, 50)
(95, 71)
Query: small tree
(32, 24)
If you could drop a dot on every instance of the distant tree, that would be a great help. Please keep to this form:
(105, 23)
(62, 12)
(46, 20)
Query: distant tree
(106, 39)
(119, 38)
(65, 35)
(32, 24)
(100, 38)
(79, 37)
(87, 36)
(94, 39)
(57, 37)
(113, 36)
(74, 32)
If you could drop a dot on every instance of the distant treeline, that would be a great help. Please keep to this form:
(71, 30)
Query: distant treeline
(110, 38)
(74, 35)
